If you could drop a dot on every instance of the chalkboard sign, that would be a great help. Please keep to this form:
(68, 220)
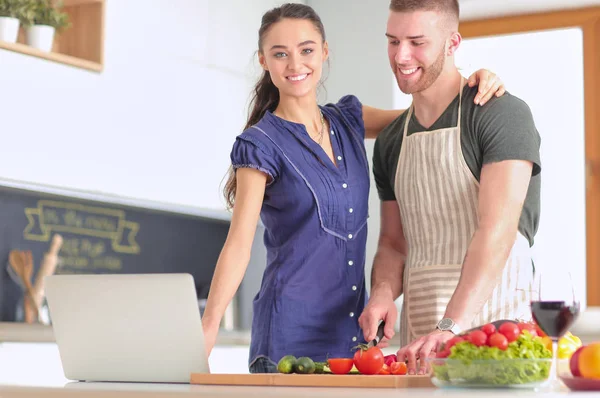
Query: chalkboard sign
(104, 237)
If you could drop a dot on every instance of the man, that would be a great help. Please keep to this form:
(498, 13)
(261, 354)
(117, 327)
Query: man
(460, 191)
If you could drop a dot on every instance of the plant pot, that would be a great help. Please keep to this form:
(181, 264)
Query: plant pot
(9, 29)
(41, 37)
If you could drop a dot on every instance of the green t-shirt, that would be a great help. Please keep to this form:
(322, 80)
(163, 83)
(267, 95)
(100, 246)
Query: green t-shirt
(502, 129)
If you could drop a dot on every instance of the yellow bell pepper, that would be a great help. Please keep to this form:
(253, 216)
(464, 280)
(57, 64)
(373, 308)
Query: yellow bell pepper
(567, 345)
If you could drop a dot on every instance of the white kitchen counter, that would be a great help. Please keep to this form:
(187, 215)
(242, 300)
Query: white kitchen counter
(34, 370)
(130, 390)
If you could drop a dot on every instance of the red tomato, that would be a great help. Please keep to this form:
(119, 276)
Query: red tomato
(385, 370)
(498, 340)
(398, 368)
(510, 330)
(390, 359)
(443, 354)
(489, 329)
(530, 327)
(478, 338)
(454, 340)
(340, 366)
(368, 361)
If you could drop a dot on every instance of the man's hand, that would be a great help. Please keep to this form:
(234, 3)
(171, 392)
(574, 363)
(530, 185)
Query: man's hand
(380, 306)
(423, 348)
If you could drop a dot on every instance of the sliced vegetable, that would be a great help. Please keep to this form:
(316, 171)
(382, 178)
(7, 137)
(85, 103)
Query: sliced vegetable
(340, 366)
(398, 368)
(385, 370)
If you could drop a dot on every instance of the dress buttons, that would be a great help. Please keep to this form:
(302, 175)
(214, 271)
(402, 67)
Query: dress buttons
(350, 263)
(354, 287)
(339, 158)
(351, 210)
(351, 314)
(349, 236)
(332, 133)
(354, 338)
(344, 185)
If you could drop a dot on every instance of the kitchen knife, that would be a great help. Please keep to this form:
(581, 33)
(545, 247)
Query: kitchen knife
(379, 335)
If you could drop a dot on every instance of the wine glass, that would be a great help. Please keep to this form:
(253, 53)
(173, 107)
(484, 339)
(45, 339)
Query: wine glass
(555, 308)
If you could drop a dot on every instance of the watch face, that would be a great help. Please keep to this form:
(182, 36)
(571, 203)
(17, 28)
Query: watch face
(446, 323)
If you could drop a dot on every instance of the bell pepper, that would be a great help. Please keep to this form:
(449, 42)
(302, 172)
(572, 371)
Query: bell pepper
(567, 345)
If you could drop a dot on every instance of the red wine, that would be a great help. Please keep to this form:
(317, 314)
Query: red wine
(554, 317)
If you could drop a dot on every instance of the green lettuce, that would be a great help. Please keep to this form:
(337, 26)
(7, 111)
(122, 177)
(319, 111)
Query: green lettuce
(526, 360)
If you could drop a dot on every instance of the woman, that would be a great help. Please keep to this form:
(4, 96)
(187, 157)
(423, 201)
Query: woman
(303, 169)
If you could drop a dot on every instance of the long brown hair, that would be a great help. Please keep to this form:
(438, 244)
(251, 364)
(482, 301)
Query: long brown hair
(265, 96)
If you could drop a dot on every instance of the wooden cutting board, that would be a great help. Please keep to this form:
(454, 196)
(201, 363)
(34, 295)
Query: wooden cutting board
(313, 380)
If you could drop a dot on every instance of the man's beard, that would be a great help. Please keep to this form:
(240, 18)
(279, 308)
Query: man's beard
(428, 76)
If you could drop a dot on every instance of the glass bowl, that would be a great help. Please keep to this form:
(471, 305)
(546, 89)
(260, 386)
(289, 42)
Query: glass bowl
(490, 373)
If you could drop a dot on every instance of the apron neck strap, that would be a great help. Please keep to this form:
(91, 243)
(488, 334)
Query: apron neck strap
(411, 109)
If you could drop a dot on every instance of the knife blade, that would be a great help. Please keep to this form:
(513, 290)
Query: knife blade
(379, 335)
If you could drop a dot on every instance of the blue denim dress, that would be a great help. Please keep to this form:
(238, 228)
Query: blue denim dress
(315, 217)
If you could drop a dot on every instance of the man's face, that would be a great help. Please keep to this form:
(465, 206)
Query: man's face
(416, 48)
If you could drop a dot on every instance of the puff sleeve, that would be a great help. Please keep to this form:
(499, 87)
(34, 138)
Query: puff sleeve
(248, 152)
(351, 109)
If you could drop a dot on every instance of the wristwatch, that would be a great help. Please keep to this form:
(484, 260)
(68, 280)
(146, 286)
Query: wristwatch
(447, 324)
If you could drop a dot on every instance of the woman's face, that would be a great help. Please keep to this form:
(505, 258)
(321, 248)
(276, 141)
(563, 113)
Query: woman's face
(293, 52)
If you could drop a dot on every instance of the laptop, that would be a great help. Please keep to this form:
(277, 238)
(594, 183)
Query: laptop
(127, 327)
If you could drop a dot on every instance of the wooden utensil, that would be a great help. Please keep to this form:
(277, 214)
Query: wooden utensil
(313, 380)
(47, 267)
(22, 263)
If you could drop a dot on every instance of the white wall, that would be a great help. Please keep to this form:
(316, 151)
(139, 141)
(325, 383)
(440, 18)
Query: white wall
(157, 124)
(560, 243)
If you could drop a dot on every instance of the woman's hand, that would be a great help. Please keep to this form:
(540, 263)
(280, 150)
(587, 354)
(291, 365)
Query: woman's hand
(489, 85)
(210, 337)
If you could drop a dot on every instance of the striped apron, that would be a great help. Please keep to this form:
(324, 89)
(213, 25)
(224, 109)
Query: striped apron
(438, 197)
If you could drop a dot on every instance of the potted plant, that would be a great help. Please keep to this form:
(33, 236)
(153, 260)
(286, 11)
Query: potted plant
(44, 19)
(11, 12)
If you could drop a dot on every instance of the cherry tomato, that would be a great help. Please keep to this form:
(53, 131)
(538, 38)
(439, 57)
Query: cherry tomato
(510, 330)
(530, 327)
(478, 338)
(398, 368)
(498, 340)
(340, 366)
(489, 329)
(454, 340)
(368, 361)
(443, 354)
(385, 370)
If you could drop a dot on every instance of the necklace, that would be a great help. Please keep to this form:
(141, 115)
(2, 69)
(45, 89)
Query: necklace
(320, 135)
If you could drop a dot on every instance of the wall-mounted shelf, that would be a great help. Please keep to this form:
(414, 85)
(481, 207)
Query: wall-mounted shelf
(81, 46)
